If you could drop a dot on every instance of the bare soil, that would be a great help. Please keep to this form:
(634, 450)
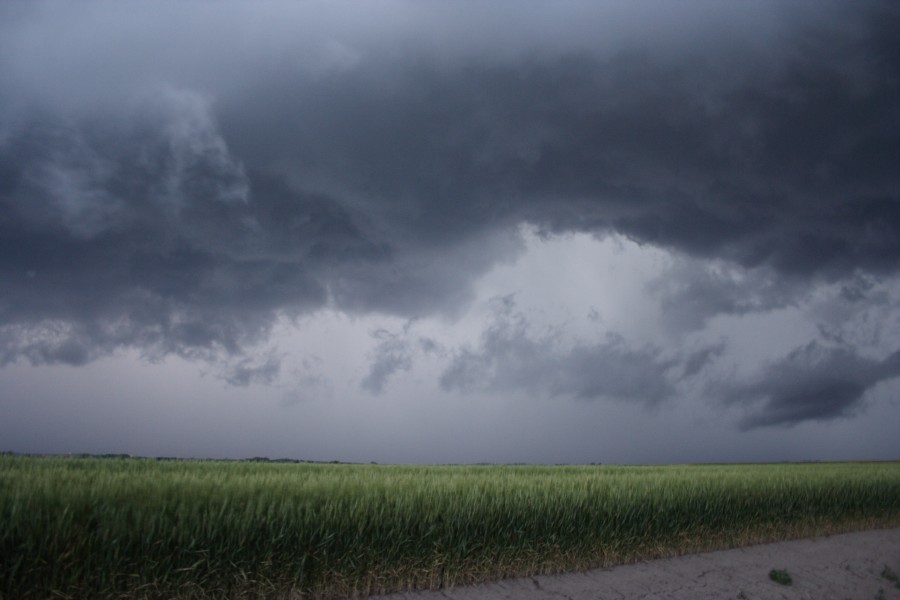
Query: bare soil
(857, 566)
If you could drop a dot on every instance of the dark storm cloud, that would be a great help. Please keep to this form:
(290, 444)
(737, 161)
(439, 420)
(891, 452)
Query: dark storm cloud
(814, 382)
(776, 153)
(511, 357)
(174, 177)
(146, 231)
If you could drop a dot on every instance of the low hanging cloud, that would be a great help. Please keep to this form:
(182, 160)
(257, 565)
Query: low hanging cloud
(165, 188)
(253, 370)
(395, 353)
(697, 360)
(692, 292)
(392, 354)
(813, 382)
(861, 312)
(510, 357)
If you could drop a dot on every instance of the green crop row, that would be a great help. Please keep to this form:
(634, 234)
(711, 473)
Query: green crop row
(140, 528)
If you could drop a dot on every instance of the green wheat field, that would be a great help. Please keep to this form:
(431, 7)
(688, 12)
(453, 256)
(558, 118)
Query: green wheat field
(86, 527)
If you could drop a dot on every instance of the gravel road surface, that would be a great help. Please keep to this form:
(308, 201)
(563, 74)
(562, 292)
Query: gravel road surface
(859, 566)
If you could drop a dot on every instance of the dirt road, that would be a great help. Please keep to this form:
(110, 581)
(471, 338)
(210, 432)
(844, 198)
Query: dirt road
(858, 566)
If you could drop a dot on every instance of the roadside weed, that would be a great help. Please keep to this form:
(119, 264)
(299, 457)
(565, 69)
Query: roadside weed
(889, 574)
(780, 576)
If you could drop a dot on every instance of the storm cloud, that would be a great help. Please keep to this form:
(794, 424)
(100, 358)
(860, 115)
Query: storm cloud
(177, 178)
(813, 382)
(511, 356)
(151, 233)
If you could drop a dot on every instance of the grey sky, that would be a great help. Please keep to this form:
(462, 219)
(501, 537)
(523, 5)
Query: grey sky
(367, 222)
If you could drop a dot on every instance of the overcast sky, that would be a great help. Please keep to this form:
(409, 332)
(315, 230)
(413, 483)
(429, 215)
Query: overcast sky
(417, 231)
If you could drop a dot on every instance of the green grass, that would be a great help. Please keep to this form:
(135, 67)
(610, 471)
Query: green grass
(141, 528)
